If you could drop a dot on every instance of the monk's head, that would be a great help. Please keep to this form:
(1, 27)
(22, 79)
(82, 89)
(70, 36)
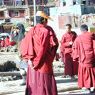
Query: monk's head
(68, 27)
(42, 17)
(41, 20)
(84, 28)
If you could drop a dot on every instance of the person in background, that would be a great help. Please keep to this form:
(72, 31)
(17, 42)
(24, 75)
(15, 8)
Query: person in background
(1, 29)
(39, 48)
(67, 40)
(19, 33)
(28, 24)
(83, 52)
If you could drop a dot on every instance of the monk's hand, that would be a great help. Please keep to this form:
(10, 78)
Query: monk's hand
(70, 43)
(30, 63)
(33, 67)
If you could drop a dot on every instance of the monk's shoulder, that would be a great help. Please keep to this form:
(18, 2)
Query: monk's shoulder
(31, 30)
(78, 38)
(74, 33)
(43, 31)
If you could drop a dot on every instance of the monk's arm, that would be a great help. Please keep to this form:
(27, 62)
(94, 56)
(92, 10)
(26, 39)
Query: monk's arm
(75, 50)
(64, 44)
(43, 48)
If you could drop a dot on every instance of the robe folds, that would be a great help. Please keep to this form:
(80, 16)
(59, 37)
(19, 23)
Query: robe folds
(71, 67)
(39, 46)
(83, 52)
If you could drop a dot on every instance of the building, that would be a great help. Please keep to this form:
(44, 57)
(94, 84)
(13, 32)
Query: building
(71, 11)
(74, 2)
(19, 10)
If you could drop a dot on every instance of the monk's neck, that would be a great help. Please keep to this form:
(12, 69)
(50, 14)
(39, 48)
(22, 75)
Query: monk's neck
(69, 32)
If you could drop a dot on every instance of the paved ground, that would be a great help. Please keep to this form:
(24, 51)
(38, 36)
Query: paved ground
(65, 86)
(13, 87)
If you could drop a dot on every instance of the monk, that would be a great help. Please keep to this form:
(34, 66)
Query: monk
(83, 52)
(68, 38)
(39, 48)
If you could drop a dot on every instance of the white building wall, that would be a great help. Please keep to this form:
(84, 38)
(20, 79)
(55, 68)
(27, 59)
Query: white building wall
(69, 2)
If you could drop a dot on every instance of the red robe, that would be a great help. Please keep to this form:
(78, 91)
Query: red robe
(41, 49)
(2, 43)
(7, 41)
(71, 67)
(40, 45)
(84, 53)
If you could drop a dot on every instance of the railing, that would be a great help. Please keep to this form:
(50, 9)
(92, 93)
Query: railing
(11, 3)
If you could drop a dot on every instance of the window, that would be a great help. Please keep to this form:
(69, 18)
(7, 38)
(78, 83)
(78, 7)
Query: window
(7, 2)
(15, 13)
(64, 3)
(1, 3)
(74, 2)
(1, 14)
(84, 2)
(7, 20)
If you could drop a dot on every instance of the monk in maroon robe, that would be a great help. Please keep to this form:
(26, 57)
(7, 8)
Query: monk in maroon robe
(39, 48)
(83, 52)
(68, 38)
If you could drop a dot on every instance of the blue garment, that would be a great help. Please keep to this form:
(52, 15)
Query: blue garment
(22, 64)
(20, 35)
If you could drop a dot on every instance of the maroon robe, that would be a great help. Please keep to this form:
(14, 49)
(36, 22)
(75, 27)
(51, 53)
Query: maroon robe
(71, 67)
(7, 42)
(84, 53)
(40, 45)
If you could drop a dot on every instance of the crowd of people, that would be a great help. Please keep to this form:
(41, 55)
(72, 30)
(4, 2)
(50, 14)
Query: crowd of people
(38, 49)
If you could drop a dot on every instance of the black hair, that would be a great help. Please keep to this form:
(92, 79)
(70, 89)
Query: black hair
(40, 19)
(21, 28)
(84, 27)
(69, 25)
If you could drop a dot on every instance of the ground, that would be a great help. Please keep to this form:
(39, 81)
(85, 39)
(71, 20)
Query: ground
(65, 86)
